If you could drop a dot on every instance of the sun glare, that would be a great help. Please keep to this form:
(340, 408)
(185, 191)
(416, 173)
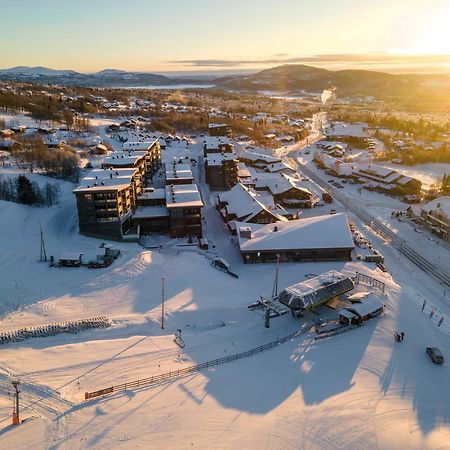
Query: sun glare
(437, 41)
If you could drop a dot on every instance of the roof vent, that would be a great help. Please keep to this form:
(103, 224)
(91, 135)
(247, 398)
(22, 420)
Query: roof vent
(245, 232)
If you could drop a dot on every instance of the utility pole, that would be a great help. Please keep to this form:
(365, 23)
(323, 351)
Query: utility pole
(15, 418)
(162, 302)
(275, 284)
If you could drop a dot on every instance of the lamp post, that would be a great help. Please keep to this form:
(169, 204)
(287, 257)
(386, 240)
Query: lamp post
(162, 302)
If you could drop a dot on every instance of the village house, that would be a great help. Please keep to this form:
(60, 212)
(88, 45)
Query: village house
(242, 204)
(9, 145)
(257, 160)
(320, 238)
(435, 215)
(357, 313)
(286, 191)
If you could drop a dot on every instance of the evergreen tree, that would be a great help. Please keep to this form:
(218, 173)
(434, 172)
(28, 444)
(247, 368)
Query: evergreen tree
(25, 191)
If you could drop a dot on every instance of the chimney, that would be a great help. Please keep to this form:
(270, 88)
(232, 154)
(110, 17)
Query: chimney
(245, 232)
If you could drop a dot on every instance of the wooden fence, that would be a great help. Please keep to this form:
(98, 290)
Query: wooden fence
(144, 382)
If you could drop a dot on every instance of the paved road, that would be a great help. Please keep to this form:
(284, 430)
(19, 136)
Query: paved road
(439, 273)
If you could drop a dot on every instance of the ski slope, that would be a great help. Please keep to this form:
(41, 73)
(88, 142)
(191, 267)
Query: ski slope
(356, 390)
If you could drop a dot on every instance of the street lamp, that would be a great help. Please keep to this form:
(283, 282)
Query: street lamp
(162, 302)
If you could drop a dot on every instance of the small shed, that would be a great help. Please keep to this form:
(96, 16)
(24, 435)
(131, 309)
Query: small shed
(221, 264)
(357, 313)
(70, 259)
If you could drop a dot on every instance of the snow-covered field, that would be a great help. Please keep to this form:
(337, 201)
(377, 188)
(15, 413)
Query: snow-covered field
(356, 390)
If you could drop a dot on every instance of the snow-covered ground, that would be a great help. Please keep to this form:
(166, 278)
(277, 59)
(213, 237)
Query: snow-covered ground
(426, 173)
(356, 390)
(20, 119)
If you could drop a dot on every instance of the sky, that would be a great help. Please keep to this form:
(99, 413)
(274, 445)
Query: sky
(225, 35)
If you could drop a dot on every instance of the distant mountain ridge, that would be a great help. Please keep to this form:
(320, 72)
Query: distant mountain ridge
(38, 71)
(103, 78)
(349, 82)
(428, 90)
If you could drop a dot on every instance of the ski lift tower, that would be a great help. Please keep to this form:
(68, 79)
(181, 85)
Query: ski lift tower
(15, 417)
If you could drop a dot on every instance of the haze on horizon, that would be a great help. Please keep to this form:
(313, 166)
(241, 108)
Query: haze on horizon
(205, 36)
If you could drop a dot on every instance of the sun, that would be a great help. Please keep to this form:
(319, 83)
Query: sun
(437, 40)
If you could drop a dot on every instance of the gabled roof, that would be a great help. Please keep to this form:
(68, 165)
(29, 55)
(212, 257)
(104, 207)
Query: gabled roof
(279, 183)
(440, 204)
(257, 157)
(320, 232)
(243, 203)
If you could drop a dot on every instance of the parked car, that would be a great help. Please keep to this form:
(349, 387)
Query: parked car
(327, 198)
(436, 355)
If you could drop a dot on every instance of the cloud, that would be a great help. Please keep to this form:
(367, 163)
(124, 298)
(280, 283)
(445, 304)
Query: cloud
(341, 59)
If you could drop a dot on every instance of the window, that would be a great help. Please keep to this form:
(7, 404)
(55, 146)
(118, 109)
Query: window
(176, 214)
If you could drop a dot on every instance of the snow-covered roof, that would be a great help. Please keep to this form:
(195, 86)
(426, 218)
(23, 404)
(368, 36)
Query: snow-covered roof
(183, 196)
(70, 256)
(316, 290)
(320, 232)
(213, 142)
(123, 159)
(380, 171)
(217, 125)
(279, 183)
(254, 157)
(243, 171)
(101, 179)
(144, 145)
(279, 166)
(179, 172)
(405, 180)
(152, 194)
(217, 159)
(243, 203)
(369, 305)
(440, 204)
(7, 143)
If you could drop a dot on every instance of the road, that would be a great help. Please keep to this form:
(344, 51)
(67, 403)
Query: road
(439, 273)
